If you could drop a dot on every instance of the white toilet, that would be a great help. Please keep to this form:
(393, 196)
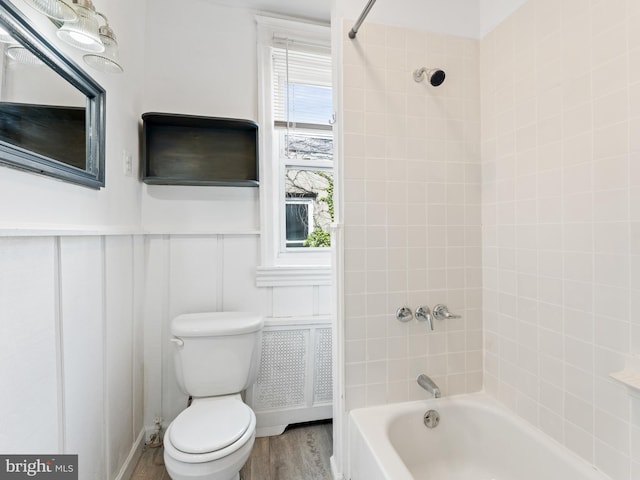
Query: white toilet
(216, 358)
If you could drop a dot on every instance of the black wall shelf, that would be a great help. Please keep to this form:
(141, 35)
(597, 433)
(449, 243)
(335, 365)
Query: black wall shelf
(196, 150)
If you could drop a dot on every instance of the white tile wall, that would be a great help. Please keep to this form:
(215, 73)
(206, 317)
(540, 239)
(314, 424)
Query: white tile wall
(411, 213)
(560, 189)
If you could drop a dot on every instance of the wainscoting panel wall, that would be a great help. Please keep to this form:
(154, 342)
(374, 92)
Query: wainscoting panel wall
(72, 332)
(217, 272)
(119, 334)
(31, 388)
(81, 276)
(71, 343)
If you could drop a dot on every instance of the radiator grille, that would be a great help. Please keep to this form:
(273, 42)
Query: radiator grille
(282, 376)
(323, 383)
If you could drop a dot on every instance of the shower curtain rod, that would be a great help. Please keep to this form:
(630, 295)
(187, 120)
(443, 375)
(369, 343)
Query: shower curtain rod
(363, 15)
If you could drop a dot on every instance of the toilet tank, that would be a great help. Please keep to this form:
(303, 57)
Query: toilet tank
(216, 353)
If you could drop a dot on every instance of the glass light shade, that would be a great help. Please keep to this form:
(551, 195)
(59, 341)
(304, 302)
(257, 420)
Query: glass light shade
(55, 9)
(21, 55)
(106, 61)
(83, 33)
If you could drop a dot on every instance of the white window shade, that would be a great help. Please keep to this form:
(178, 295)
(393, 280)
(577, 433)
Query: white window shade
(301, 86)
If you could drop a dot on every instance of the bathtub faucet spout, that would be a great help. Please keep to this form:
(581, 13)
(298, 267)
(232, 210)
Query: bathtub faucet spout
(429, 385)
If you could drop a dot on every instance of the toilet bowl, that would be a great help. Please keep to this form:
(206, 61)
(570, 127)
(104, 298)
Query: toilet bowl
(212, 439)
(216, 357)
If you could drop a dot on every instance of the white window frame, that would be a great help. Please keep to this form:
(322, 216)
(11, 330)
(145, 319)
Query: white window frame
(316, 261)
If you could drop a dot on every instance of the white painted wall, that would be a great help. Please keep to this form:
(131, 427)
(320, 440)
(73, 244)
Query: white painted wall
(206, 66)
(41, 202)
(200, 60)
(70, 306)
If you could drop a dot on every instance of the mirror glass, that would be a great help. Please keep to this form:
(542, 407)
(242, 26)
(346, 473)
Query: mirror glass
(51, 111)
(40, 110)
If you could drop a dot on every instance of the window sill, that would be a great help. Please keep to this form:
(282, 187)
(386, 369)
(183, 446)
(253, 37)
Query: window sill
(290, 276)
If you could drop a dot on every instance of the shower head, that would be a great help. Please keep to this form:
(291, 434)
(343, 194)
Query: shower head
(435, 76)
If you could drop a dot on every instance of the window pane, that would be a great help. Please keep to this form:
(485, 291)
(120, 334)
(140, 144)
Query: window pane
(297, 223)
(306, 103)
(305, 145)
(313, 189)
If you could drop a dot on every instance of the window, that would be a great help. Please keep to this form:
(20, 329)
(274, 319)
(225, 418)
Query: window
(296, 142)
(299, 220)
(315, 187)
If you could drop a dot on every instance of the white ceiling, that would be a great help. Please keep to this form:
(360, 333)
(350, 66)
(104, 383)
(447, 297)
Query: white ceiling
(319, 10)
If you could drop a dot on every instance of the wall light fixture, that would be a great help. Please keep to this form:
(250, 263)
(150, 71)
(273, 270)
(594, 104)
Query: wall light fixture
(54, 9)
(106, 61)
(83, 32)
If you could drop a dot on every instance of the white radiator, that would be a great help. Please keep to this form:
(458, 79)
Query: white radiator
(294, 381)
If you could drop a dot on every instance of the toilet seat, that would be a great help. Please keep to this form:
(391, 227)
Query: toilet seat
(210, 424)
(245, 440)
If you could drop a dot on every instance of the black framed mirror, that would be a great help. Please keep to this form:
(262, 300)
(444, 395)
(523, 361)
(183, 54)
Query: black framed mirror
(52, 113)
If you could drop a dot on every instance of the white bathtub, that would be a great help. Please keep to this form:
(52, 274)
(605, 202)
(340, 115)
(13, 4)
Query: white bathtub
(477, 439)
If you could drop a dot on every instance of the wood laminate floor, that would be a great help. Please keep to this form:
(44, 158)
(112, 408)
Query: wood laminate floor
(301, 453)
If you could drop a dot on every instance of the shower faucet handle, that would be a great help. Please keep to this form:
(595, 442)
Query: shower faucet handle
(404, 314)
(423, 314)
(441, 312)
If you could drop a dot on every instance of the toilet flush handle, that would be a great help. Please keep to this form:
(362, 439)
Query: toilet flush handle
(178, 341)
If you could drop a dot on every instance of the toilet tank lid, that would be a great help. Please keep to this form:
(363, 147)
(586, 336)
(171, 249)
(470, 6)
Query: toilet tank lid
(216, 324)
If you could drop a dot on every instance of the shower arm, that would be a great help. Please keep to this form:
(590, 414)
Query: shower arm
(363, 15)
(419, 74)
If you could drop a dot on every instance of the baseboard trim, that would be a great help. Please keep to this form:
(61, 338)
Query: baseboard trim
(132, 459)
(271, 430)
(334, 469)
